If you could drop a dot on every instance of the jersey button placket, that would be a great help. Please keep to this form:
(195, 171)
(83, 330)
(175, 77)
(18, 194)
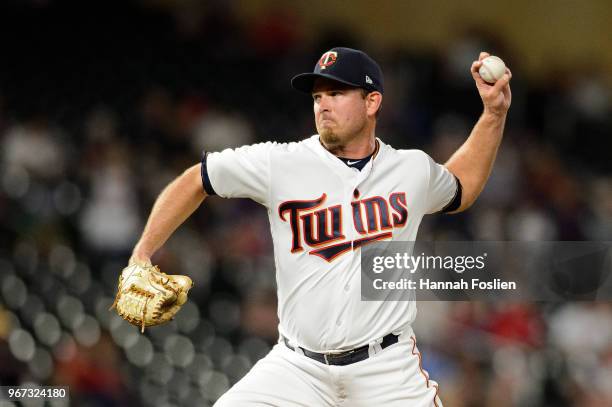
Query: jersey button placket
(352, 194)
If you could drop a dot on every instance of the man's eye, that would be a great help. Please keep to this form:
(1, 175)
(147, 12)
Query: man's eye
(336, 93)
(316, 97)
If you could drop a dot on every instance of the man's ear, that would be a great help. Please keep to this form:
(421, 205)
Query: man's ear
(373, 102)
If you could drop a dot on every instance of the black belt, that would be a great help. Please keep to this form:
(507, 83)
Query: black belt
(347, 357)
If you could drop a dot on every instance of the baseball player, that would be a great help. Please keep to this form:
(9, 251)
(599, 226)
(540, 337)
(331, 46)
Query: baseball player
(327, 196)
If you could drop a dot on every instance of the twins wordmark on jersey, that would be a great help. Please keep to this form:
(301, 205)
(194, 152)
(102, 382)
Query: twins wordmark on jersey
(321, 228)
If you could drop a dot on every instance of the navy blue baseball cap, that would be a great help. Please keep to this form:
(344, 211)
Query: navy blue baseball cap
(346, 65)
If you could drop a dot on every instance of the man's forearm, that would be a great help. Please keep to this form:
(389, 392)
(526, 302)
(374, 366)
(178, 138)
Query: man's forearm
(473, 161)
(173, 206)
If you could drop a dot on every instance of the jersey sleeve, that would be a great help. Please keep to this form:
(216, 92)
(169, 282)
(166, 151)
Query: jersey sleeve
(238, 173)
(444, 191)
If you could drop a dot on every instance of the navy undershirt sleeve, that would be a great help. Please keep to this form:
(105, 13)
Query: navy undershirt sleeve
(205, 178)
(455, 203)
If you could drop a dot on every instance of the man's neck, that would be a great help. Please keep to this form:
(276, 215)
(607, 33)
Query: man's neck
(355, 149)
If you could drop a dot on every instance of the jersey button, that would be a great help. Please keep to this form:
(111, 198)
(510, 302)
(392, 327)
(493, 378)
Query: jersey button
(338, 322)
(347, 287)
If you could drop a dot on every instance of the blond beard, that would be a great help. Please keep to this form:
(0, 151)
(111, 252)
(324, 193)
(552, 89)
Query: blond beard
(336, 143)
(329, 137)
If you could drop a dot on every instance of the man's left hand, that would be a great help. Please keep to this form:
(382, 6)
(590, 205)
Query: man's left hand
(495, 97)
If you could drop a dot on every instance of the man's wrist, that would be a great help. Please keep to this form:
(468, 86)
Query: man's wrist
(492, 115)
(141, 255)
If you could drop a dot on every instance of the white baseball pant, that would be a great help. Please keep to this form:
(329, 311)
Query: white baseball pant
(391, 377)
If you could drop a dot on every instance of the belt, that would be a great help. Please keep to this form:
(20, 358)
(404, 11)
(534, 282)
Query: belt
(345, 358)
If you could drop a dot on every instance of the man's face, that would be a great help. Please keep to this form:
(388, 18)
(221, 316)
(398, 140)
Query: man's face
(340, 111)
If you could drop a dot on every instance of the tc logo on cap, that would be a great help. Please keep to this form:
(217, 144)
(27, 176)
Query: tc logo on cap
(327, 59)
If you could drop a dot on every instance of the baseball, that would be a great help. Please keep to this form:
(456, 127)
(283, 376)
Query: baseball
(492, 69)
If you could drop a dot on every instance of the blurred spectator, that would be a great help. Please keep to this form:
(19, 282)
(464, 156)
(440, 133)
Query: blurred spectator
(110, 220)
(216, 131)
(36, 147)
(93, 375)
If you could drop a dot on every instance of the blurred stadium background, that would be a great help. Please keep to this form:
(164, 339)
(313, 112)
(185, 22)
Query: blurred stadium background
(103, 103)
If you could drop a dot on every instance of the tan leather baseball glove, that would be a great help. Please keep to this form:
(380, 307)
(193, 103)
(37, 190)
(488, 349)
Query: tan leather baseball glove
(148, 297)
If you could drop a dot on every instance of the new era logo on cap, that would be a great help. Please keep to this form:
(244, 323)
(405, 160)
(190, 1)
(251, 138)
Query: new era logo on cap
(346, 65)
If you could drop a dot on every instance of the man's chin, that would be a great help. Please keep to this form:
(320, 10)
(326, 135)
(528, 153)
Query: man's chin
(329, 137)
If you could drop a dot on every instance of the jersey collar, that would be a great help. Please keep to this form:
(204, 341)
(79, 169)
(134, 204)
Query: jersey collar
(314, 143)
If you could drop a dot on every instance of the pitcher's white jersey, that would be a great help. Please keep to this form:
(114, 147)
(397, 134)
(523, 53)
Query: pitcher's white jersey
(321, 212)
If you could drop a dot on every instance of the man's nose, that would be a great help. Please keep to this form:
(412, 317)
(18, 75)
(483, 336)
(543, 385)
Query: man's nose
(324, 103)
